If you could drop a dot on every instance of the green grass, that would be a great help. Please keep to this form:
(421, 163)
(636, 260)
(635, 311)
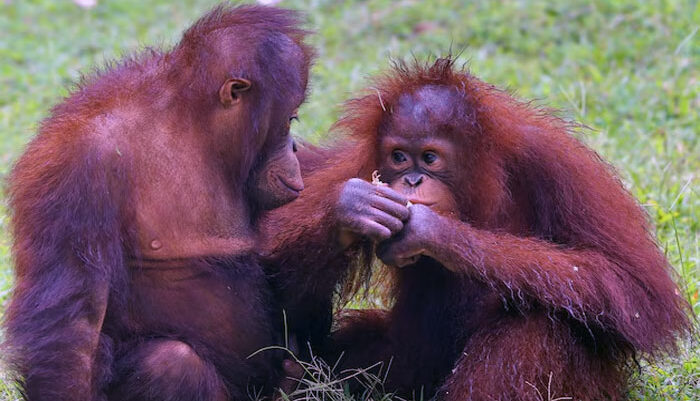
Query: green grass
(628, 69)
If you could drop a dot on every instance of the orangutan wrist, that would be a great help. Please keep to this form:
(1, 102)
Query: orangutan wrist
(438, 243)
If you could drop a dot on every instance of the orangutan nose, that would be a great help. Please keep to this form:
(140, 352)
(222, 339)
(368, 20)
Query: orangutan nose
(413, 180)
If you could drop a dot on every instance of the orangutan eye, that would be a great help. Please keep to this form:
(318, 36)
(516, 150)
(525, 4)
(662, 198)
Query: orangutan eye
(398, 156)
(429, 157)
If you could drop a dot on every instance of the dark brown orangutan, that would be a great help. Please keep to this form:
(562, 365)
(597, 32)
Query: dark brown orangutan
(134, 214)
(522, 267)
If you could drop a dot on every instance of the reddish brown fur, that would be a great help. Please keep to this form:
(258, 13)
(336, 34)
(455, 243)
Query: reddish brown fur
(558, 270)
(133, 221)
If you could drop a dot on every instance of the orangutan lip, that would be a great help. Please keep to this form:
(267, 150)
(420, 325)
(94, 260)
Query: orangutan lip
(422, 202)
(291, 188)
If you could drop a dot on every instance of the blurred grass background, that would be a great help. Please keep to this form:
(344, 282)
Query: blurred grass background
(628, 69)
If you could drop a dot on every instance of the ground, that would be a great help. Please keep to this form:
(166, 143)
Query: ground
(629, 70)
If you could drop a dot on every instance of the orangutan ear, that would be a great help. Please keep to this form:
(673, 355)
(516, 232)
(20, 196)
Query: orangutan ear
(230, 92)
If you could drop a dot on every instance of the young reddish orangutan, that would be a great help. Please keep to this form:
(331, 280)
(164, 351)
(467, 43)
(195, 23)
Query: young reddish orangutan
(522, 258)
(134, 216)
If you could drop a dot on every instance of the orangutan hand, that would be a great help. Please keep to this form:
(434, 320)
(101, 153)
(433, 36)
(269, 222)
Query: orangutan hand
(369, 211)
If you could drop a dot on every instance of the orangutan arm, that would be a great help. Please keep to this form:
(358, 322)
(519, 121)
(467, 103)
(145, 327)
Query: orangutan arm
(311, 244)
(591, 287)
